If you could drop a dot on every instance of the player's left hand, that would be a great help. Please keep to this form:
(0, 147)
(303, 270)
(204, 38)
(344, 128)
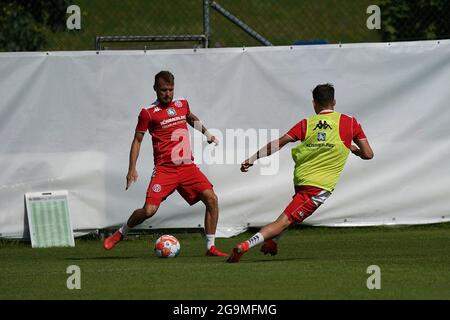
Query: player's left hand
(214, 140)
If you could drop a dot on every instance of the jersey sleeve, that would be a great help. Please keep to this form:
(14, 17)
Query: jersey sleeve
(298, 132)
(143, 121)
(358, 133)
(188, 109)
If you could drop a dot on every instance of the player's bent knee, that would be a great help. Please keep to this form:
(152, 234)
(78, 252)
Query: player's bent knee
(150, 210)
(212, 199)
(149, 213)
(209, 198)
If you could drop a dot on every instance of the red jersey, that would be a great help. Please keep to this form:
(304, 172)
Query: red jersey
(170, 135)
(349, 129)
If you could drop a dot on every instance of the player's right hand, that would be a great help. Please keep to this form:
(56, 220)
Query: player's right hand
(355, 150)
(132, 176)
(246, 165)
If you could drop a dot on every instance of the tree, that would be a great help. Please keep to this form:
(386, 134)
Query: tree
(415, 20)
(23, 22)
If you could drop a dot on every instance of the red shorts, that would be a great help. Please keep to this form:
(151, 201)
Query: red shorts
(305, 201)
(187, 179)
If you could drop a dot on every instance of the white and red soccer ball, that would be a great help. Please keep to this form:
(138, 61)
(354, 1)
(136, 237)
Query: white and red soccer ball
(167, 246)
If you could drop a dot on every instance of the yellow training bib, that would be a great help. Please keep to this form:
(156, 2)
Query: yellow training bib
(320, 158)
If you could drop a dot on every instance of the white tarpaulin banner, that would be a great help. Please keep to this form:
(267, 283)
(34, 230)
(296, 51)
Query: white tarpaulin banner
(67, 120)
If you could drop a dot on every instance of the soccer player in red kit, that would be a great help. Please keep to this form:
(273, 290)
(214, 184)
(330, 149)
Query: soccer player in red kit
(326, 141)
(174, 169)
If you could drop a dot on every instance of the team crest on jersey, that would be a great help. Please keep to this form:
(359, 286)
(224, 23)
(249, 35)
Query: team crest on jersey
(171, 112)
(178, 104)
(321, 136)
(156, 188)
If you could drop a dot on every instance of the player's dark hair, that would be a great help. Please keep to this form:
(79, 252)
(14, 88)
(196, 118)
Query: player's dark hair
(167, 76)
(323, 94)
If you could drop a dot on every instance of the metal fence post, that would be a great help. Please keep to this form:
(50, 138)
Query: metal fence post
(206, 30)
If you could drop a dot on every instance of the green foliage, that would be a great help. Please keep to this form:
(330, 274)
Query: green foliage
(23, 22)
(414, 20)
(40, 25)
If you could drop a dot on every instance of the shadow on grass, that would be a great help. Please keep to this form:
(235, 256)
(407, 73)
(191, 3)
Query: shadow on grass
(268, 259)
(102, 258)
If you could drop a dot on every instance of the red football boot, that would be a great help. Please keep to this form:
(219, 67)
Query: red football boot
(269, 246)
(112, 240)
(238, 251)
(214, 252)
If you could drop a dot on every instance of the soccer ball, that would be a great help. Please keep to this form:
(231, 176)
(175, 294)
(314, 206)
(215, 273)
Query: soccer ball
(167, 246)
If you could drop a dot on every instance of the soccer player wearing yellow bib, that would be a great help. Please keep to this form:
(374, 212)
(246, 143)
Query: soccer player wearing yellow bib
(326, 141)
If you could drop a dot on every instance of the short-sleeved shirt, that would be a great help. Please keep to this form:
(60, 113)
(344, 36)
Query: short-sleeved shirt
(326, 140)
(168, 128)
(349, 129)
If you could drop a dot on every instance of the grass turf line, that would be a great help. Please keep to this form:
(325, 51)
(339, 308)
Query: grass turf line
(313, 263)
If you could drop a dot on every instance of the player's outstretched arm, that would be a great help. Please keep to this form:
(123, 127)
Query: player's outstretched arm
(271, 148)
(364, 151)
(132, 175)
(195, 123)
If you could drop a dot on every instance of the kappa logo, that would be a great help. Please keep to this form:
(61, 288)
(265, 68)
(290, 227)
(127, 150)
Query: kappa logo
(156, 188)
(156, 109)
(323, 125)
(178, 104)
(171, 112)
(321, 136)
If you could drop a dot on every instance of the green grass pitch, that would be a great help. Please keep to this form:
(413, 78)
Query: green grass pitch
(313, 263)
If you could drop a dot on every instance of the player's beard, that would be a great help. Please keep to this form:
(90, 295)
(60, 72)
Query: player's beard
(165, 101)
